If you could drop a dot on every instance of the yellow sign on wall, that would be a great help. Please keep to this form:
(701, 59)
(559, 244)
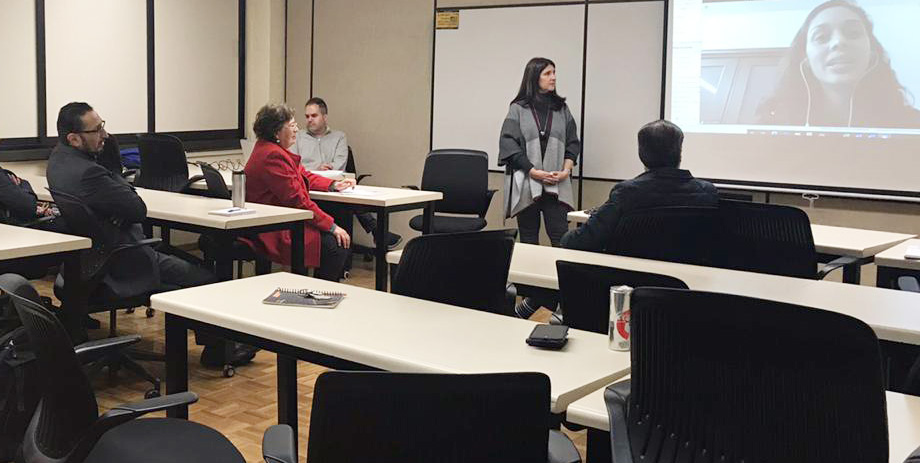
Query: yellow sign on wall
(447, 20)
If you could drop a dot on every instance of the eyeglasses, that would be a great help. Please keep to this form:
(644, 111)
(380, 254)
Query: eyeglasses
(99, 129)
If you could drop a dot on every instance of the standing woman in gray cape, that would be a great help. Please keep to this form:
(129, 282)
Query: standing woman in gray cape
(538, 147)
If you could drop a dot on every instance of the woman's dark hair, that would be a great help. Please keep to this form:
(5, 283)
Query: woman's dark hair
(881, 81)
(270, 119)
(70, 119)
(530, 84)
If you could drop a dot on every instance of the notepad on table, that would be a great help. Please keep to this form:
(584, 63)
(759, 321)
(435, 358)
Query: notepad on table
(304, 298)
(231, 211)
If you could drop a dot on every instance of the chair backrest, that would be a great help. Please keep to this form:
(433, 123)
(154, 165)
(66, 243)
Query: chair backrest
(371, 416)
(163, 162)
(684, 234)
(462, 176)
(719, 375)
(68, 406)
(584, 291)
(350, 162)
(82, 221)
(217, 186)
(766, 238)
(467, 269)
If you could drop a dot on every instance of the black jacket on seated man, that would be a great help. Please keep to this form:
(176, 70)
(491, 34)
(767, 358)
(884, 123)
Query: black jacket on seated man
(661, 187)
(113, 200)
(18, 203)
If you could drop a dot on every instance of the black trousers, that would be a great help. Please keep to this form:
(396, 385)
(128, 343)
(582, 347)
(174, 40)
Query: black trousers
(332, 259)
(554, 216)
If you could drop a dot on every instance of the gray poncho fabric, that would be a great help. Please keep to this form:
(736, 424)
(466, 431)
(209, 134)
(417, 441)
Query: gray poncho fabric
(520, 131)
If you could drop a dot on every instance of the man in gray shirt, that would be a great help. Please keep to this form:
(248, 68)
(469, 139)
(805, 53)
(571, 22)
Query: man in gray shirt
(321, 148)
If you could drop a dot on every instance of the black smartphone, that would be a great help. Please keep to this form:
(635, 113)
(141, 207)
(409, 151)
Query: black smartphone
(548, 336)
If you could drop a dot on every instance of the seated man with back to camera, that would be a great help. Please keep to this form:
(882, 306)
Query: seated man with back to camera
(321, 148)
(73, 169)
(662, 184)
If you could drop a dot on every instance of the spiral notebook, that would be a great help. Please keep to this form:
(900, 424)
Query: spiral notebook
(304, 298)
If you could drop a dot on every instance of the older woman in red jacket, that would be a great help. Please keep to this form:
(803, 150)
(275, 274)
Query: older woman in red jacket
(275, 176)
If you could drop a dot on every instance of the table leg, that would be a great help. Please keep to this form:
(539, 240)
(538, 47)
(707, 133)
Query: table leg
(884, 278)
(75, 299)
(287, 393)
(224, 266)
(428, 218)
(297, 248)
(598, 447)
(176, 362)
(380, 251)
(852, 273)
(164, 234)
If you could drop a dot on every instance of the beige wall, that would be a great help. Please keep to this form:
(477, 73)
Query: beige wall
(299, 36)
(373, 65)
(264, 56)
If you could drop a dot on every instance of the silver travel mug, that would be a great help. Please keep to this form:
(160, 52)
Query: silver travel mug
(618, 331)
(238, 191)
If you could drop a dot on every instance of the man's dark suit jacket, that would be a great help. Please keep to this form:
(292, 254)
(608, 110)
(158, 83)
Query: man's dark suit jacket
(17, 201)
(118, 207)
(655, 188)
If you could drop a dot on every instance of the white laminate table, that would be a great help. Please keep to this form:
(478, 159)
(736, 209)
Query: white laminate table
(19, 242)
(893, 315)
(892, 263)
(380, 200)
(832, 241)
(903, 423)
(376, 330)
(169, 210)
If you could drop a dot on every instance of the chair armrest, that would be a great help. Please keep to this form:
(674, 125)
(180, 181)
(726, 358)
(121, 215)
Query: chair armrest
(561, 448)
(914, 457)
(908, 283)
(128, 172)
(139, 244)
(411, 187)
(835, 264)
(187, 188)
(39, 221)
(362, 177)
(278, 445)
(124, 413)
(93, 264)
(617, 398)
(93, 350)
(485, 205)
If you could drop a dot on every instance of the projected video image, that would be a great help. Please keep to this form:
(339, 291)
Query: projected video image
(807, 63)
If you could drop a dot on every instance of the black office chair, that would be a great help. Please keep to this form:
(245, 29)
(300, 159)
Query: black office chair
(464, 269)
(367, 253)
(718, 377)
(463, 177)
(95, 264)
(66, 426)
(351, 168)
(683, 234)
(380, 416)
(584, 291)
(163, 163)
(769, 238)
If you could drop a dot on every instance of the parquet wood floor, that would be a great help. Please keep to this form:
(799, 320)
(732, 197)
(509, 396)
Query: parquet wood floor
(241, 407)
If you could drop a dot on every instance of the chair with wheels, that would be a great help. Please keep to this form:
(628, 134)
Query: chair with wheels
(464, 269)
(367, 253)
(463, 177)
(726, 378)
(769, 238)
(95, 263)
(163, 163)
(67, 428)
(584, 291)
(683, 234)
(382, 416)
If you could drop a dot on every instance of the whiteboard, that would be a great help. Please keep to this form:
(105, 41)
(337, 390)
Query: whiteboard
(622, 85)
(478, 69)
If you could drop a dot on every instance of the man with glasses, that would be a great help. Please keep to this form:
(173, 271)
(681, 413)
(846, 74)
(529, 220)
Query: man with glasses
(321, 148)
(73, 169)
